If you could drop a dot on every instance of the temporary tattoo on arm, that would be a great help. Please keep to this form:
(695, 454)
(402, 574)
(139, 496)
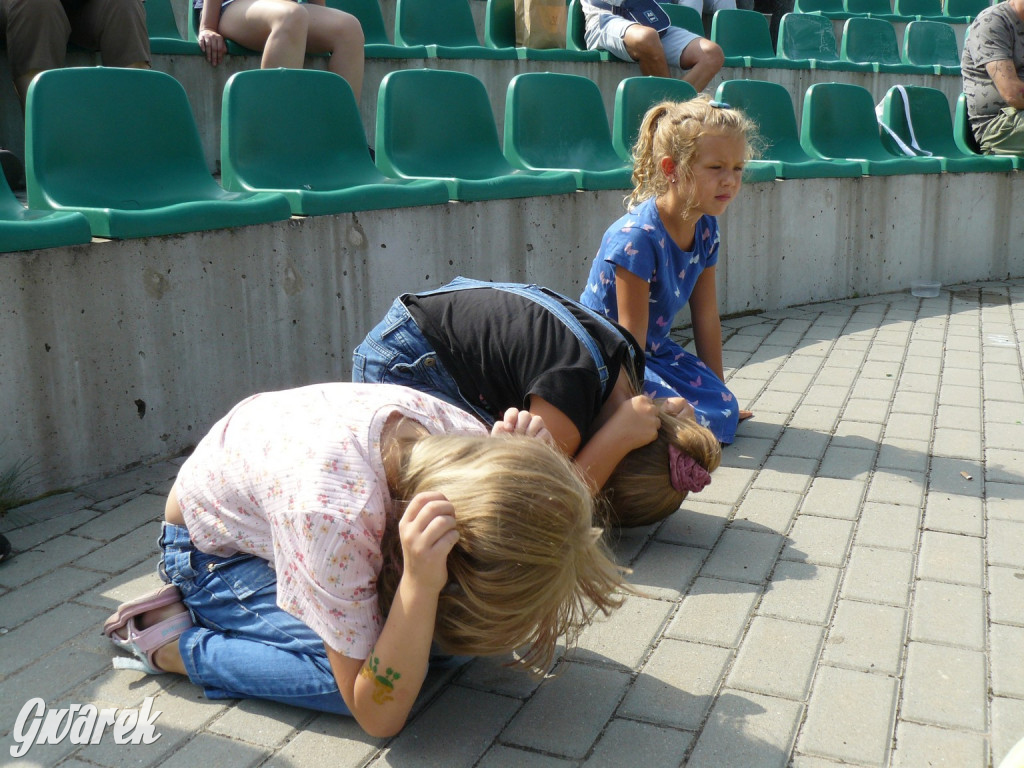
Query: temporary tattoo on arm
(383, 685)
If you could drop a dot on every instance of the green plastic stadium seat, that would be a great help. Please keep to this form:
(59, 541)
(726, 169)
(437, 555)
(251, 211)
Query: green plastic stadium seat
(964, 10)
(23, 229)
(931, 44)
(808, 37)
(746, 41)
(164, 36)
(838, 122)
(832, 9)
(234, 49)
(933, 129)
(542, 135)
(878, 9)
(133, 163)
(329, 170)
(872, 41)
(445, 27)
(633, 97)
(500, 32)
(574, 37)
(684, 16)
(770, 106)
(920, 9)
(438, 124)
(377, 45)
(964, 138)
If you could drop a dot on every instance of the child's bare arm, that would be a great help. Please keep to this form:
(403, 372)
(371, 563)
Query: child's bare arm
(632, 297)
(707, 325)
(381, 690)
(635, 423)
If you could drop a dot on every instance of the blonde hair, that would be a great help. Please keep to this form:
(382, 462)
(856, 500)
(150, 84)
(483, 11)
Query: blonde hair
(640, 491)
(672, 129)
(529, 566)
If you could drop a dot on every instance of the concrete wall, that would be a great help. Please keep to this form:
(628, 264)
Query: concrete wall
(121, 351)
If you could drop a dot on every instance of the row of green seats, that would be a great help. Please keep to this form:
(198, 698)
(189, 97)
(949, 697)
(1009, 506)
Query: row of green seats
(807, 41)
(948, 11)
(839, 134)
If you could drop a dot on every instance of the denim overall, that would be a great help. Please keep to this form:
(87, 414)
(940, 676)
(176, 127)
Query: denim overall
(396, 351)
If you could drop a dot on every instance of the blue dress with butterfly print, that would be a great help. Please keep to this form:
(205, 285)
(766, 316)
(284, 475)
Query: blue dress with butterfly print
(639, 243)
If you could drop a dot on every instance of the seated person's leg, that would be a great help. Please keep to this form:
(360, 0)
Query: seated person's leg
(339, 34)
(1004, 135)
(115, 28)
(276, 27)
(701, 58)
(644, 47)
(37, 37)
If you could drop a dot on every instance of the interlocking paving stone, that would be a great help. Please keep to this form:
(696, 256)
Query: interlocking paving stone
(887, 525)
(866, 636)
(1006, 543)
(951, 557)
(945, 686)
(763, 509)
(954, 514)
(1006, 668)
(953, 614)
(624, 637)
(777, 658)
(714, 612)
(878, 575)
(850, 716)
(743, 555)
(746, 729)
(626, 742)
(819, 540)
(833, 497)
(927, 745)
(801, 592)
(1007, 726)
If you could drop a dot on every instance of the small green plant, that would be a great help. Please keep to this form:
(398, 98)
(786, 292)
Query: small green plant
(13, 482)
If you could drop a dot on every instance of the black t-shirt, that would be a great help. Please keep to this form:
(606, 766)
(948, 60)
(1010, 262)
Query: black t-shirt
(502, 348)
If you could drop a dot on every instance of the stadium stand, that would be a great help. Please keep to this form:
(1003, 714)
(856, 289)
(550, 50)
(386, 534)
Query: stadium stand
(377, 44)
(809, 37)
(164, 37)
(873, 41)
(329, 170)
(23, 229)
(445, 27)
(746, 42)
(931, 44)
(500, 32)
(633, 97)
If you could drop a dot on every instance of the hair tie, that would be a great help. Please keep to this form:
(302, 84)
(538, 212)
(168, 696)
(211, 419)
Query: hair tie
(686, 474)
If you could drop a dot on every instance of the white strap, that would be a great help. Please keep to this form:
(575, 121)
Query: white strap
(914, 150)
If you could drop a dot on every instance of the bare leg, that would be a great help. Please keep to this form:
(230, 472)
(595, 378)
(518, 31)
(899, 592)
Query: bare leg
(703, 59)
(277, 27)
(644, 45)
(167, 657)
(339, 34)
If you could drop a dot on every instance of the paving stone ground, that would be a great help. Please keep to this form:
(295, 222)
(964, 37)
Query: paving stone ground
(848, 591)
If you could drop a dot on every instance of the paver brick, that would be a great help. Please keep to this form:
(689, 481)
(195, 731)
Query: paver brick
(900, 454)
(800, 592)
(818, 540)
(918, 745)
(216, 750)
(626, 742)
(850, 716)
(815, 418)
(833, 497)
(1006, 595)
(263, 723)
(1002, 502)
(785, 473)
(952, 614)
(777, 658)
(1005, 660)
(746, 729)
(666, 570)
(43, 558)
(802, 444)
(591, 693)
(897, 486)
(625, 635)
(1006, 543)
(714, 612)
(500, 756)
(957, 443)
(945, 686)
(958, 417)
(697, 524)
(866, 636)
(37, 597)
(951, 557)
(1007, 726)
(677, 685)
(743, 556)
(950, 513)
(885, 525)
(871, 411)
(767, 509)
(847, 463)
(878, 575)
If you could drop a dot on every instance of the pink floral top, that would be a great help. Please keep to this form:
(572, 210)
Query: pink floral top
(296, 477)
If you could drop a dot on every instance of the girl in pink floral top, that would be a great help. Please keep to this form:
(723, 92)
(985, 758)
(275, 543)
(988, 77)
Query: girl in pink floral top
(319, 540)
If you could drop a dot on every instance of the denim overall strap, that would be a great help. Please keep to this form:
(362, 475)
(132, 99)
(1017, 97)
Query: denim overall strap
(546, 298)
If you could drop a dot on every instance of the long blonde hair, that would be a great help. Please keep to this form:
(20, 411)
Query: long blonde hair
(672, 129)
(529, 566)
(640, 490)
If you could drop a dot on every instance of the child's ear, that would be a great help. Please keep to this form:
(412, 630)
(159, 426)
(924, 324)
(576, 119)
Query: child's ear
(668, 166)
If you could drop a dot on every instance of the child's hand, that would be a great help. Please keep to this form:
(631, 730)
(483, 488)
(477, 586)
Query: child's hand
(427, 531)
(636, 422)
(517, 422)
(744, 415)
(678, 406)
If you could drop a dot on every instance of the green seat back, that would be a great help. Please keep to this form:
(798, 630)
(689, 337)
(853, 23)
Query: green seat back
(162, 29)
(930, 43)
(967, 8)
(838, 121)
(134, 163)
(439, 124)
(833, 9)
(770, 106)
(541, 134)
(371, 19)
(633, 97)
(932, 128)
(500, 32)
(879, 8)
(685, 17)
(868, 40)
(804, 36)
(234, 48)
(742, 33)
(923, 8)
(329, 170)
(445, 27)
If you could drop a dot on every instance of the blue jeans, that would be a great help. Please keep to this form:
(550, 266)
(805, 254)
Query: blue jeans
(396, 352)
(243, 646)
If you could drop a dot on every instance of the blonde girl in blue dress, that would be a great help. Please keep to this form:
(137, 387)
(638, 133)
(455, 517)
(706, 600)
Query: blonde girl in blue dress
(689, 159)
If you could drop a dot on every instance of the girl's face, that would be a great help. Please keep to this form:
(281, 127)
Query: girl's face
(717, 173)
